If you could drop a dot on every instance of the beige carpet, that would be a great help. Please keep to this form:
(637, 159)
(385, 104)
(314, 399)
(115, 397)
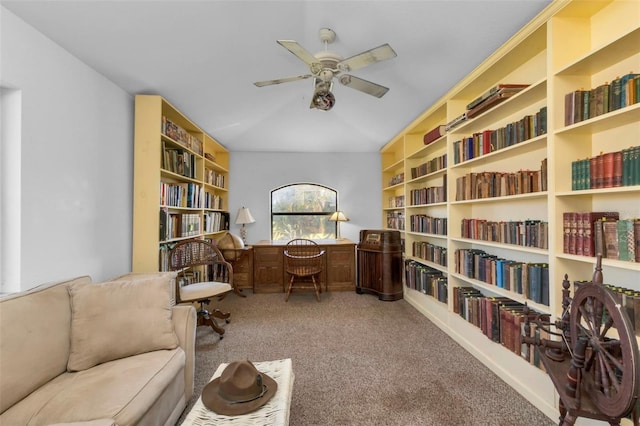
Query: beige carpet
(361, 361)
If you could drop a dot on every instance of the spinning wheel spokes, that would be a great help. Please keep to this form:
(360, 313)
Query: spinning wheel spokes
(610, 374)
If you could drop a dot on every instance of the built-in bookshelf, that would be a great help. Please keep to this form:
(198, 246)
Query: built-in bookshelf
(180, 183)
(508, 175)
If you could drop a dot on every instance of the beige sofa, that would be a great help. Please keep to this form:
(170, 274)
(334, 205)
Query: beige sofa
(112, 353)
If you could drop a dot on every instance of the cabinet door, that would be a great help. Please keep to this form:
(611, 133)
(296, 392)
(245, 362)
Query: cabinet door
(268, 270)
(340, 267)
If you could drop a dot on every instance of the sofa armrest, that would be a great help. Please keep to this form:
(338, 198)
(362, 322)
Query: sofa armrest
(184, 324)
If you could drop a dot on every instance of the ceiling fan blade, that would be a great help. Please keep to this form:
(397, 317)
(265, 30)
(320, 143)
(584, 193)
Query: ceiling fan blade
(371, 56)
(299, 51)
(365, 86)
(281, 80)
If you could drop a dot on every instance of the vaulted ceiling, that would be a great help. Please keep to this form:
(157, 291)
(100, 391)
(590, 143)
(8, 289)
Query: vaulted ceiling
(204, 56)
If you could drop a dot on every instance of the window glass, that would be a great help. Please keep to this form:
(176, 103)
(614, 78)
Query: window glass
(302, 211)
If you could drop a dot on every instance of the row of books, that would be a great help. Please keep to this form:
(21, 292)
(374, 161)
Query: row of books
(426, 280)
(213, 201)
(527, 233)
(590, 233)
(581, 105)
(179, 225)
(487, 141)
(216, 221)
(607, 170)
(428, 224)
(628, 299)
(396, 179)
(396, 201)
(431, 166)
(578, 232)
(474, 186)
(180, 162)
(395, 220)
(429, 195)
(180, 135)
(501, 319)
(190, 195)
(431, 252)
(528, 279)
(215, 178)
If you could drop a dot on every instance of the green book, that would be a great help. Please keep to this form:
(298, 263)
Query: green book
(623, 241)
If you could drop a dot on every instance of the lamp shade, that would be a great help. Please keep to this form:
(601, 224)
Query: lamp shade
(244, 216)
(338, 216)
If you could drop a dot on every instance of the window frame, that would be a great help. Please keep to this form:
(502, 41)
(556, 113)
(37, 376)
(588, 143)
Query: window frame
(327, 214)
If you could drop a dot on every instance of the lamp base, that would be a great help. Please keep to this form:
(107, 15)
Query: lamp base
(243, 234)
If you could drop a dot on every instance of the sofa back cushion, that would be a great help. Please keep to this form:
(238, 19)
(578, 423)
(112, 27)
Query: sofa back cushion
(35, 333)
(118, 319)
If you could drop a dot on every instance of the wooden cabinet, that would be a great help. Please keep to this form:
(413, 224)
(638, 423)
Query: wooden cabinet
(338, 271)
(268, 268)
(568, 47)
(180, 183)
(243, 270)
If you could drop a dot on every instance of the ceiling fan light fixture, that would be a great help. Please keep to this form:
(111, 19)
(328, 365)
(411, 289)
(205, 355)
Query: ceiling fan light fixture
(323, 100)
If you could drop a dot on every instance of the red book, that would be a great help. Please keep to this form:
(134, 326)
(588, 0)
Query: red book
(433, 134)
(573, 232)
(617, 168)
(566, 231)
(599, 171)
(636, 237)
(607, 170)
(588, 219)
(486, 142)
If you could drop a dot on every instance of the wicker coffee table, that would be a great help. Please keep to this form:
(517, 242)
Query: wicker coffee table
(275, 412)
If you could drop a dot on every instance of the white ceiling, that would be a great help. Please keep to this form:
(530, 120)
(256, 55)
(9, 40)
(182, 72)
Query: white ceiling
(203, 57)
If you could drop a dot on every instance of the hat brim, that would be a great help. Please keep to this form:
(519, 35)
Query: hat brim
(212, 400)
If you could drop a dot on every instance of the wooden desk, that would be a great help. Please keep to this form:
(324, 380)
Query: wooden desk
(338, 271)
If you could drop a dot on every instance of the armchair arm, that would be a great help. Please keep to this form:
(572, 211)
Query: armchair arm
(184, 324)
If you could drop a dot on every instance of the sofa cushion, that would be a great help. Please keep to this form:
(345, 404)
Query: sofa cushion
(34, 338)
(118, 319)
(122, 390)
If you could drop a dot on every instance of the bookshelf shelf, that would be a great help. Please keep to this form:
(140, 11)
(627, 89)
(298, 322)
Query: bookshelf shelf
(514, 198)
(571, 46)
(174, 154)
(525, 147)
(514, 247)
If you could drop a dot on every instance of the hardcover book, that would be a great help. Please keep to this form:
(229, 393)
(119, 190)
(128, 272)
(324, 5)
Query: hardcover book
(434, 134)
(495, 89)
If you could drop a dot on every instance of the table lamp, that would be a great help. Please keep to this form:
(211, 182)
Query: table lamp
(338, 217)
(244, 217)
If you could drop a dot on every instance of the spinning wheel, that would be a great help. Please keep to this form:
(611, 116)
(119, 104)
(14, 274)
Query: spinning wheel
(610, 374)
(599, 378)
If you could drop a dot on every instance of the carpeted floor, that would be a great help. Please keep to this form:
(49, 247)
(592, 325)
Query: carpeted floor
(361, 361)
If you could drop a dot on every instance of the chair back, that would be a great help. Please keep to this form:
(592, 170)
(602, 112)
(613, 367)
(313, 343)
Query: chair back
(198, 261)
(303, 257)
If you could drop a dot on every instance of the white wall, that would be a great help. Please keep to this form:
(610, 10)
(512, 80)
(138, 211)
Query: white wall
(77, 156)
(356, 176)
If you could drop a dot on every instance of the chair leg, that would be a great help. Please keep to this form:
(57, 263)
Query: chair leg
(204, 318)
(217, 313)
(286, 299)
(315, 286)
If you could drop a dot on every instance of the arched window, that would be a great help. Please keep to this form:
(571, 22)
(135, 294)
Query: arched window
(302, 210)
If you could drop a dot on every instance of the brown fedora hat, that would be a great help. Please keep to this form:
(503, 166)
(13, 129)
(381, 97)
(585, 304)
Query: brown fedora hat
(240, 389)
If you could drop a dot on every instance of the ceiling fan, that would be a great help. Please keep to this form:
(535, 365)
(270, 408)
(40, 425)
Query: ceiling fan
(325, 65)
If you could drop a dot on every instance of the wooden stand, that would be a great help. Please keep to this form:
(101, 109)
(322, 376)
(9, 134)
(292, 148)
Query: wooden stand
(380, 264)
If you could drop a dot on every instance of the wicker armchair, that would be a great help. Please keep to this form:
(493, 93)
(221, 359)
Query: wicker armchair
(202, 275)
(303, 260)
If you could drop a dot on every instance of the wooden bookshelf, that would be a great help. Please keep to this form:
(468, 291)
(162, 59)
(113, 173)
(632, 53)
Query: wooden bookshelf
(569, 46)
(179, 170)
